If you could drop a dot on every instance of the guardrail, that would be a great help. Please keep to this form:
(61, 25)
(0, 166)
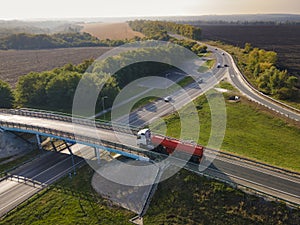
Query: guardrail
(71, 119)
(71, 137)
(26, 180)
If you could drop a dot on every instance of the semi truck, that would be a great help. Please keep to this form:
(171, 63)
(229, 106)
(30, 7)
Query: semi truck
(167, 146)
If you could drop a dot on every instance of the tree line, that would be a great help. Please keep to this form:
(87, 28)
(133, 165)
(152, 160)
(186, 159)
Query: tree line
(158, 30)
(23, 41)
(261, 65)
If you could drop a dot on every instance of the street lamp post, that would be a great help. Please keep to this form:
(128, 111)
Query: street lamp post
(103, 107)
(167, 76)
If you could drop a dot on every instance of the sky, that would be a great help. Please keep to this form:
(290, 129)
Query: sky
(30, 9)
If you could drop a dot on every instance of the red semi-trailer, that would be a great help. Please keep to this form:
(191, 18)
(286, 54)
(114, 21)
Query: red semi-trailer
(166, 145)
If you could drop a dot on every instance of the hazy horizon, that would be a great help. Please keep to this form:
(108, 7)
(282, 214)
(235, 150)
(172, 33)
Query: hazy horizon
(33, 9)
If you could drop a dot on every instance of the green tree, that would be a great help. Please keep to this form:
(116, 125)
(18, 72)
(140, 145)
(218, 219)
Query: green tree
(292, 81)
(61, 89)
(31, 89)
(6, 95)
(248, 48)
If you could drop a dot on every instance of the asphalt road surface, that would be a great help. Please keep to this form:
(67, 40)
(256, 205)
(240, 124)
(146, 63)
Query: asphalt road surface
(32, 177)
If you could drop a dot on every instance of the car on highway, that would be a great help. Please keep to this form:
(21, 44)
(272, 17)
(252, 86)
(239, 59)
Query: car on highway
(225, 65)
(167, 99)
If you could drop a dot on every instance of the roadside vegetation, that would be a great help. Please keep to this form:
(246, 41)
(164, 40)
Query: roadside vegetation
(209, 64)
(250, 132)
(185, 198)
(259, 67)
(185, 81)
(158, 30)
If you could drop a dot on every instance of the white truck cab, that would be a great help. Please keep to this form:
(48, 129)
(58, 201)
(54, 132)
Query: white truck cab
(144, 137)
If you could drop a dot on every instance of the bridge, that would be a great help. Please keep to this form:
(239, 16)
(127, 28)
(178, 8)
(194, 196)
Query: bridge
(262, 179)
(45, 124)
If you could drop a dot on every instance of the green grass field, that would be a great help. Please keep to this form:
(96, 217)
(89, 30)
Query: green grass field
(187, 198)
(207, 65)
(250, 131)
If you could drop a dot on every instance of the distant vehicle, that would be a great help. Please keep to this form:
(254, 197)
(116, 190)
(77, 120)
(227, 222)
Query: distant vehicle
(225, 65)
(167, 99)
(169, 146)
(234, 98)
(219, 65)
(223, 53)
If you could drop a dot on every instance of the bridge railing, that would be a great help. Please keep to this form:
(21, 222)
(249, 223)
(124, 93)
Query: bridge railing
(71, 119)
(71, 137)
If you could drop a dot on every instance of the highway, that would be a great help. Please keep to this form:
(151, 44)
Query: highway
(32, 177)
(203, 83)
(258, 176)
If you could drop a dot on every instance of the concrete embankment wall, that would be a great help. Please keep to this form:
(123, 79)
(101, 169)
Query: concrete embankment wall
(11, 144)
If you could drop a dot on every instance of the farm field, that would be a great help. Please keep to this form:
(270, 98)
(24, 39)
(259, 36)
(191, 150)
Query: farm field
(14, 64)
(112, 31)
(283, 39)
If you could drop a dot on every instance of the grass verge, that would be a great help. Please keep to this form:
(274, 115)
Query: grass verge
(186, 81)
(209, 64)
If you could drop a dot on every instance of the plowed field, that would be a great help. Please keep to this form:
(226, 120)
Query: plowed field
(14, 64)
